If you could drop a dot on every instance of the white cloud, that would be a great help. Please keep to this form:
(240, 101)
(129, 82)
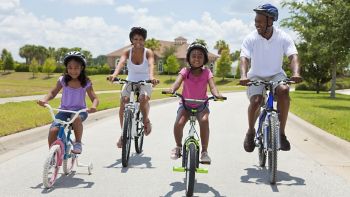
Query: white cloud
(84, 2)
(129, 9)
(7, 5)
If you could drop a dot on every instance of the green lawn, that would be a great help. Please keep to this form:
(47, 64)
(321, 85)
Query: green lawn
(22, 84)
(332, 115)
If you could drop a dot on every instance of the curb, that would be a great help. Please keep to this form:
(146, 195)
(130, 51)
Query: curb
(14, 141)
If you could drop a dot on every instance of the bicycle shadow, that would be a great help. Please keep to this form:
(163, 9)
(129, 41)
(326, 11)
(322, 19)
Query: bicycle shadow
(135, 161)
(199, 188)
(261, 176)
(66, 181)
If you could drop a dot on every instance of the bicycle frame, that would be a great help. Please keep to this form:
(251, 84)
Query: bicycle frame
(65, 127)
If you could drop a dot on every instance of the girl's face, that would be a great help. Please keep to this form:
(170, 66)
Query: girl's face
(74, 68)
(138, 41)
(196, 58)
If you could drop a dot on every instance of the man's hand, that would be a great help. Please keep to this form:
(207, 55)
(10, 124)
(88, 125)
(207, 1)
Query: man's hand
(112, 77)
(297, 78)
(243, 81)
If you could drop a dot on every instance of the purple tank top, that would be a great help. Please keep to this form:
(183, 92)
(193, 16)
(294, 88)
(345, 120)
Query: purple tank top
(73, 98)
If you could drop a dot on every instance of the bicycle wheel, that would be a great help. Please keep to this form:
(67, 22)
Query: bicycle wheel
(127, 126)
(190, 169)
(51, 166)
(261, 152)
(68, 163)
(139, 131)
(272, 154)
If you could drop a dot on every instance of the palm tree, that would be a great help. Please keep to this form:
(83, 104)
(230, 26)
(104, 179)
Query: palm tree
(152, 44)
(221, 45)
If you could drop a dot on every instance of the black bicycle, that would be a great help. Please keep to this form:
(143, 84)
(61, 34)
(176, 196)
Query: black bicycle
(191, 148)
(133, 127)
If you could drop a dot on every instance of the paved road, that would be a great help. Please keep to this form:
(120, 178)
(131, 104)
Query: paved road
(309, 169)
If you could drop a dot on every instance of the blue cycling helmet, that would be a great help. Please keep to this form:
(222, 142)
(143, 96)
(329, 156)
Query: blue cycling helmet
(268, 10)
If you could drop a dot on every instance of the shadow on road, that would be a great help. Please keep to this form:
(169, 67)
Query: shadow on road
(66, 181)
(201, 188)
(135, 161)
(260, 175)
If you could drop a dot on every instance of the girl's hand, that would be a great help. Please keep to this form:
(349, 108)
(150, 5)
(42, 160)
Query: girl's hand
(41, 103)
(91, 110)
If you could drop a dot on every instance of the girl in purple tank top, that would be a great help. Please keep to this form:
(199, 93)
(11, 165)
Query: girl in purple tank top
(74, 84)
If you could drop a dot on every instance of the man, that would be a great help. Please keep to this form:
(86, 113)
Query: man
(264, 49)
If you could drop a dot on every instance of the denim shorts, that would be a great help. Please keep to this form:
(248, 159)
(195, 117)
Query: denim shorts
(65, 115)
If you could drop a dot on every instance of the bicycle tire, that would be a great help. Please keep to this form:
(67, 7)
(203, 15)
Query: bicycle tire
(184, 156)
(140, 133)
(272, 154)
(51, 163)
(127, 126)
(190, 169)
(69, 162)
(261, 152)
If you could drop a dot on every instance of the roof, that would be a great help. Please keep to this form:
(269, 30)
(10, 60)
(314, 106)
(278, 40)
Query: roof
(181, 49)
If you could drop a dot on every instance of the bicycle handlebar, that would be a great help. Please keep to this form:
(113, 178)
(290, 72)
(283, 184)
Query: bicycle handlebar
(124, 81)
(76, 113)
(175, 94)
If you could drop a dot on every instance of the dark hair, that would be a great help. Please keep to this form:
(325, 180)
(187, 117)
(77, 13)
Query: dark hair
(82, 77)
(139, 31)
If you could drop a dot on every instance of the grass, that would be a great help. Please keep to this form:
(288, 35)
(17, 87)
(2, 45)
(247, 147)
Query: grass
(23, 83)
(331, 115)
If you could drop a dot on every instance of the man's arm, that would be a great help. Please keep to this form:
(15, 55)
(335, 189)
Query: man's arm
(295, 67)
(244, 66)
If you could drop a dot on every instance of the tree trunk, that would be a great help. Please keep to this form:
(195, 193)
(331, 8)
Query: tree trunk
(333, 81)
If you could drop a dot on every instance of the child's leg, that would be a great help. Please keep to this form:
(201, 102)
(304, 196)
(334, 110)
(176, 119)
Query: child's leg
(78, 129)
(180, 122)
(203, 120)
(52, 135)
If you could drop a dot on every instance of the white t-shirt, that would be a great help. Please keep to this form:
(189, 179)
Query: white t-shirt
(138, 72)
(267, 55)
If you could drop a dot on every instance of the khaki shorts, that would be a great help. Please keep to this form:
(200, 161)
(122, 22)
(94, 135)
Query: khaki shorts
(144, 90)
(260, 90)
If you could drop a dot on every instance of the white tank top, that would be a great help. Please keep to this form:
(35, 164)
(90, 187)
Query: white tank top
(138, 72)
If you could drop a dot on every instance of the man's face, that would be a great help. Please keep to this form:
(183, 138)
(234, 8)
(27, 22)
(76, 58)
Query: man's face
(261, 23)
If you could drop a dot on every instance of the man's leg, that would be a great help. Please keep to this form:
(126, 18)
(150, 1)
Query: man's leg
(283, 101)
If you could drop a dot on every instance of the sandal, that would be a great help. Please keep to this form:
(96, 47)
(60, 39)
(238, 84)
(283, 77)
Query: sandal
(120, 142)
(147, 127)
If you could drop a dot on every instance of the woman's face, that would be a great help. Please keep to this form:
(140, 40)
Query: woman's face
(138, 41)
(74, 68)
(196, 58)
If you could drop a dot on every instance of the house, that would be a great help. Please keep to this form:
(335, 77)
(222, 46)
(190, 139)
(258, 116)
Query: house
(181, 48)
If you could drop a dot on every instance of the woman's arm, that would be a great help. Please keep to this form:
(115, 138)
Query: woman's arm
(120, 65)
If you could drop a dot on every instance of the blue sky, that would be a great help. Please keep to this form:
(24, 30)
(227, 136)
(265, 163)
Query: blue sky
(102, 26)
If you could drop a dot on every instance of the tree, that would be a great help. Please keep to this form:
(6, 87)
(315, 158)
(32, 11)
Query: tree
(49, 66)
(34, 67)
(172, 65)
(201, 41)
(221, 45)
(152, 44)
(323, 26)
(168, 51)
(235, 55)
(7, 60)
(223, 64)
(27, 52)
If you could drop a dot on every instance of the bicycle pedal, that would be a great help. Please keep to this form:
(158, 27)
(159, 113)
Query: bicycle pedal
(202, 170)
(178, 169)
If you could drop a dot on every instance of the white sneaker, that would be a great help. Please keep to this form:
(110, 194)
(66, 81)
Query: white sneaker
(205, 159)
(175, 153)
